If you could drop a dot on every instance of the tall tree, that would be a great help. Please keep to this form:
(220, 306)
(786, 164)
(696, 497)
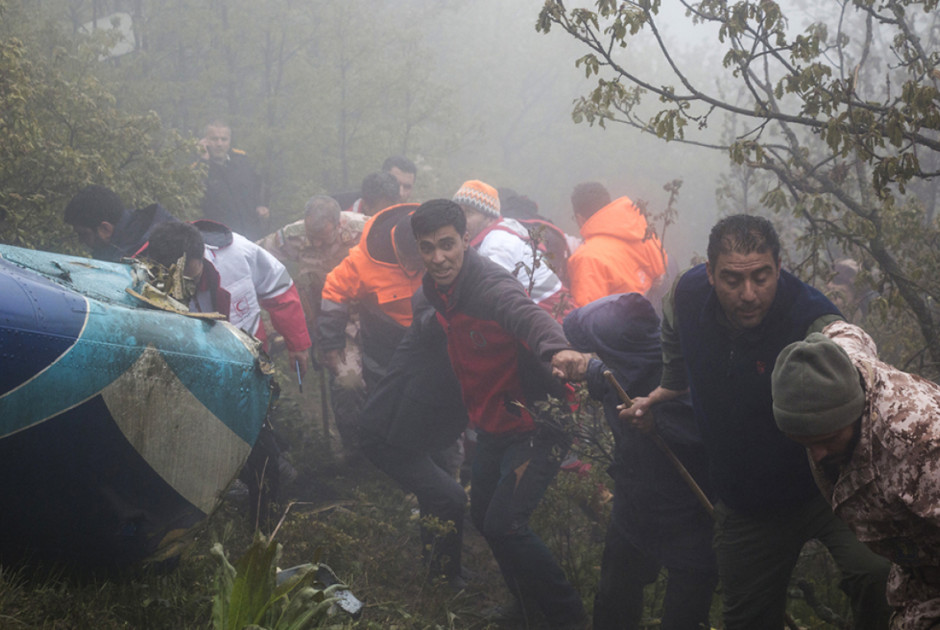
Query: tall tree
(317, 93)
(844, 111)
(61, 130)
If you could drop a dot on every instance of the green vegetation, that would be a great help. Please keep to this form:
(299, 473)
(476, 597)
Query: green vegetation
(249, 594)
(61, 129)
(72, 112)
(360, 524)
(830, 115)
(844, 151)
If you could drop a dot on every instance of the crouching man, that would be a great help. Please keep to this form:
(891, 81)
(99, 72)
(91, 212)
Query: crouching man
(873, 435)
(500, 342)
(233, 276)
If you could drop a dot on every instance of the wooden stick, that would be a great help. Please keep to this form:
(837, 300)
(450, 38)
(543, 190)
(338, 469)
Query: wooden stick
(680, 467)
(658, 441)
(324, 405)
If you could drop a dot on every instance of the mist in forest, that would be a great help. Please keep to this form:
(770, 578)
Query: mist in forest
(319, 94)
(516, 87)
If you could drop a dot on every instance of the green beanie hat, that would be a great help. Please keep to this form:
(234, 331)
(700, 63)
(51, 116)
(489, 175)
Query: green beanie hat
(816, 388)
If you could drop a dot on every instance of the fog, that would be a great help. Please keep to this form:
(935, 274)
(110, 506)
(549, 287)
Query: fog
(320, 94)
(516, 87)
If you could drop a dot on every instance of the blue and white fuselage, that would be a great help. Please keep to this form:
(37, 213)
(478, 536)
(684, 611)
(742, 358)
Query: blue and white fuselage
(120, 425)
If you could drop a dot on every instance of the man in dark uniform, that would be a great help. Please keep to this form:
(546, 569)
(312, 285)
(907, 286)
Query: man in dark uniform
(233, 189)
(107, 228)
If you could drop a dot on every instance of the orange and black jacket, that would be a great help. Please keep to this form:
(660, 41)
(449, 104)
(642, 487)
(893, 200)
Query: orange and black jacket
(371, 278)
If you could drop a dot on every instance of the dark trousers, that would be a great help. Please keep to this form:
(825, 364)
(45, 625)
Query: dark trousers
(626, 570)
(756, 556)
(439, 495)
(510, 475)
(347, 400)
(263, 478)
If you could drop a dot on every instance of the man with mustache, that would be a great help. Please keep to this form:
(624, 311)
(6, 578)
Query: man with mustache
(724, 323)
(873, 434)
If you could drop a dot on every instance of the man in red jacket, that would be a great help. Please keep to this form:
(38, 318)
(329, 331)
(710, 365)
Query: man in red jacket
(505, 351)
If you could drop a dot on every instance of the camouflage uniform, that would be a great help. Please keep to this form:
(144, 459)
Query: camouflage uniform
(290, 245)
(889, 491)
(311, 266)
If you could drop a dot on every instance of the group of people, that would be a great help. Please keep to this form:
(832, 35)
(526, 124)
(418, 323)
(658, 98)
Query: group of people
(443, 323)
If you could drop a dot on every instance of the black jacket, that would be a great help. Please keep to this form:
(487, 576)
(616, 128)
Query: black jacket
(233, 194)
(657, 510)
(416, 407)
(754, 467)
(132, 232)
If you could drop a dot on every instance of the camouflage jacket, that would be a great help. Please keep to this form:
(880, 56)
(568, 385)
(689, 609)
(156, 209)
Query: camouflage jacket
(889, 491)
(311, 265)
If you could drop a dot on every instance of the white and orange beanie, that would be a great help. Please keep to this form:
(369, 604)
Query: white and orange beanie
(478, 196)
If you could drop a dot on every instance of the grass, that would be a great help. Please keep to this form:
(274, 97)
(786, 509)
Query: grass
(358, 522)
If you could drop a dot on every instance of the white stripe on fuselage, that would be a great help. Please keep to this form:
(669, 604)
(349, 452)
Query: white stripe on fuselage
(179, 437)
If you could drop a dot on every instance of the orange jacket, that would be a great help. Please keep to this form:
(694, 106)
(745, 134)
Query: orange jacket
(371, 275)
(614, 258)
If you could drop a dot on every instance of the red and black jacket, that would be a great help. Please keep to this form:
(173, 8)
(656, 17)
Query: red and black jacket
(499, 342)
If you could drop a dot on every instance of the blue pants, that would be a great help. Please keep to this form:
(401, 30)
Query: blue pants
(510, 475)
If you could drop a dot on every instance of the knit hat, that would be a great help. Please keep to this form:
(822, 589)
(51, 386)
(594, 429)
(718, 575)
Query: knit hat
(478, 196)
(816, 388)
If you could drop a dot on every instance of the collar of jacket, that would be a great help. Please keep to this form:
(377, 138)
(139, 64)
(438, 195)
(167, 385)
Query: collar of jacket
(448, 299)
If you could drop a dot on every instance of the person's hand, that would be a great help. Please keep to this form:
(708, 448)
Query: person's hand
(298, 359)
(570, 365)
(203, 149)
(263, 212)
(637, 415)
(640, 420)
(332, 359)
